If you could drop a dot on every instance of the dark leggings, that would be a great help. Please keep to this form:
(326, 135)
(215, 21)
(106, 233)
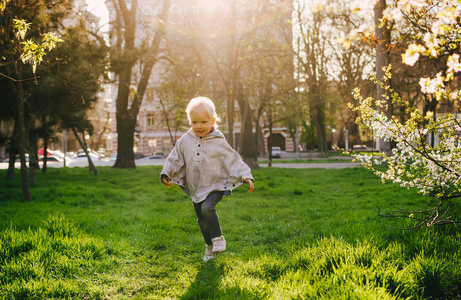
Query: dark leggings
(207, 217)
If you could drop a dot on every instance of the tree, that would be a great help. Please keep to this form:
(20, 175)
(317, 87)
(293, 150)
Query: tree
(226, 56)
(127, 52)
(230, 68)
(184, 75)
(267, 73)
(433, 169)
(382, 37)
(258, 34)
(68, 85)
(8, 115)
(173, 93)
(271, 88)
(16, 51)
(314, 61)
(352, 63)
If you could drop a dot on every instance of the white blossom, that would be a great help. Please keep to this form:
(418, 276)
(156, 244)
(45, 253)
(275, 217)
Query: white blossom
(453, 63)
(411, 56)
(430, 86)
(409, 4)
(414, 163)
(431, 42)
(438, 28)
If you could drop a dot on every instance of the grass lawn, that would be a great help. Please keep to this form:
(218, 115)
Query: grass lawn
(306, 160)
(302, 234)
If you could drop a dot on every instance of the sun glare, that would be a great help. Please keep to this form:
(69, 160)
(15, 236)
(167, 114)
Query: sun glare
(208, 5)
(98, 8)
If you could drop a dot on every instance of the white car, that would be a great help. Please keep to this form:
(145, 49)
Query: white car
(276, 152)
(82, 156)
(361, 148)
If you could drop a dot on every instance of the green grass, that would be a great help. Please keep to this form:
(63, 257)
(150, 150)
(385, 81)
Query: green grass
(302, 234)
(306, 160)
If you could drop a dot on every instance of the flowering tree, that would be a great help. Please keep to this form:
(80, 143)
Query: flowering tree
(435, 170)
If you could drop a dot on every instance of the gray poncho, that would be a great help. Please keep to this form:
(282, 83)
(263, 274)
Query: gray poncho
(203, 165)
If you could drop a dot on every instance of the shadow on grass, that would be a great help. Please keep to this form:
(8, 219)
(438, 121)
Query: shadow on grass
(206, 283)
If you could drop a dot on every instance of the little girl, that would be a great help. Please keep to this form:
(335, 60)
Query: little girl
(205, 167)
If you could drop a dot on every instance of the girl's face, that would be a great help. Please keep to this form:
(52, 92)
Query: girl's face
(202, 123)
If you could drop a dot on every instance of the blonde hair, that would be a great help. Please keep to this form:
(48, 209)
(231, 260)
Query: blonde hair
(204, 103)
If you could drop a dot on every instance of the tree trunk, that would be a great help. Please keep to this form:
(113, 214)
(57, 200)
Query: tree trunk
(82, 143)
(259, 139)
(381, 60)
(269, 139)
(317, 108)
(13, 151)
(11, 168)
(247, 142)
(125, 154)
(321, 131)
(22, 139)
(33, 159)
(45, 154)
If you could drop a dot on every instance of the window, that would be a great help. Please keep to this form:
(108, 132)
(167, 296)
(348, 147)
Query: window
(149, 95)
(150, 119)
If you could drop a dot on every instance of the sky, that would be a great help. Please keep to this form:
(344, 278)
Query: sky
(98, 8)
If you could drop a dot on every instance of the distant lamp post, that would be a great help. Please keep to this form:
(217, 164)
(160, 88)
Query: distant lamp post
(299, 90)
(333, 137)
(346, 133)
(87, 138)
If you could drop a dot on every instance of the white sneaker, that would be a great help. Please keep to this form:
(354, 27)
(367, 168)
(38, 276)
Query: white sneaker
(208, 253)
(219, 244)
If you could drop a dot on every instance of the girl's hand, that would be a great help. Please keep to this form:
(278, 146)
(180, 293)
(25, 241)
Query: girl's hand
(166, 181)
(250, 183)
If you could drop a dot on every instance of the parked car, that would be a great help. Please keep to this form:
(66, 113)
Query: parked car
(153, 157)
(138, 156)
(53, 157)
(82, 156)
(361, 148)
(276, 152)
(17, 158)
(150, 160)
(113, 156)
(59, 154)
(70, 155)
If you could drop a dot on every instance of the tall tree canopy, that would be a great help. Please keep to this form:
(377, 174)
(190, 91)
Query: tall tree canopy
(25, 43)
(133, 50)
(58, 88)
